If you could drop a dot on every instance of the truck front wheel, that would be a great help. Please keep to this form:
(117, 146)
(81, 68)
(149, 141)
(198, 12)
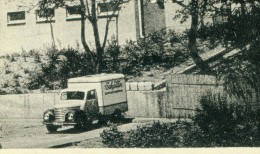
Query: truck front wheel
(87, 124)
(51, 128)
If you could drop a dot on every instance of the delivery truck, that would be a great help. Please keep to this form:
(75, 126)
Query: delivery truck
(95, 97)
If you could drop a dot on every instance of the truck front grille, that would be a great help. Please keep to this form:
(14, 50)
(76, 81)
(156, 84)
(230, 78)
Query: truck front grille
(59, 114)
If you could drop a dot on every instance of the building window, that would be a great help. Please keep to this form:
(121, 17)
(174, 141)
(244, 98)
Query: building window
(73, 12)
(16, 17)
(107, 9)
(45, 16)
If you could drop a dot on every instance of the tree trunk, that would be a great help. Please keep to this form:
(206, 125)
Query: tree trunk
(192, 46)
(83, 36)
(243, 8)
(203, 12)
(52, 35)
(99, 48)
(83, 27)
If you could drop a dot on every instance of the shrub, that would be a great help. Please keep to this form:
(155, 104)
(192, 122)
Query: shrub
(145, 54)
(112, 56)
(226, 124)
(150, 135)
(58, 66)
(11, 57)
(24, 55)
(112, 137)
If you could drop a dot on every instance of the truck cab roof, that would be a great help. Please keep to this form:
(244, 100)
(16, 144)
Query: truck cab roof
(74, 89)
(95, 78)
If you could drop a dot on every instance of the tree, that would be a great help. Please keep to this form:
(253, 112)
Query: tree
(241, 28)
(196, 9)
(242, 31)
(88, 11)
(48, 15)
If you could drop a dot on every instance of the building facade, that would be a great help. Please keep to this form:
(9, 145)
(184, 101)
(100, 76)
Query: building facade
(22, 28)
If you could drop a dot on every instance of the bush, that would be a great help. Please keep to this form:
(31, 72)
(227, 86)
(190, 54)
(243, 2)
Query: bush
(112, 55)
(226, 124)
(145, 54)
(112, 137)
(151, 135)
(61, 65)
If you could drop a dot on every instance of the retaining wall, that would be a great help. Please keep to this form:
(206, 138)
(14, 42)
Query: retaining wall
(179, 100)
(147, 104)
(32, 106)
(26, 106)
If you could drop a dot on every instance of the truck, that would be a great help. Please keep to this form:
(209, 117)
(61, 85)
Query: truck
(99, 97)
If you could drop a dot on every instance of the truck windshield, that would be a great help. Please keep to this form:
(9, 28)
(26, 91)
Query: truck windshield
(72, 95)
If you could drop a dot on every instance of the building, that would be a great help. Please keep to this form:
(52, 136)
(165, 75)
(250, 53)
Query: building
(22, 28)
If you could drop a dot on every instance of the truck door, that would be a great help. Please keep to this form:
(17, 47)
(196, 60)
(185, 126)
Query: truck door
(91, 106)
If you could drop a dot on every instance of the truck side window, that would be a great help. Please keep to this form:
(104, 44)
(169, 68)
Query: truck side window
(91, 95)
(64, 96)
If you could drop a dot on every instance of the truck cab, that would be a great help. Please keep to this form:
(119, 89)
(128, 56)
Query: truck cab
(88, 98)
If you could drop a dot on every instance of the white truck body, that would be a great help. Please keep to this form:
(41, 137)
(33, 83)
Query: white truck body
(110, 88)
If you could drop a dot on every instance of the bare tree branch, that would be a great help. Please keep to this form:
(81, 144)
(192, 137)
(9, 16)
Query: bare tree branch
(88, 11)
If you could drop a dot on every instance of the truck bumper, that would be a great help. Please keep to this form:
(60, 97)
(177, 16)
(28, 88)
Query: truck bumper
(58, 123)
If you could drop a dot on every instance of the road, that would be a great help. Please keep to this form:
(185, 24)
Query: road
(28, 133)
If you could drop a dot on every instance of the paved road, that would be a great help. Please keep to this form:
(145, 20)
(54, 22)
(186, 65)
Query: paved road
(33, 134)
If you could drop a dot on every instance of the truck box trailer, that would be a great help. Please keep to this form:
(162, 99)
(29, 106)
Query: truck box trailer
(88, 98)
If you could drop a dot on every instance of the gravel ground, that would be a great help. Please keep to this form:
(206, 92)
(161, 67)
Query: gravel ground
(93, 143)
(12, 128)
(15, 130)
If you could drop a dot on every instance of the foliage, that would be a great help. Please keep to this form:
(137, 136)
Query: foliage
(217, 123)
(242, 25)
(36, 55)
(237, 32)
(150, 135)
(240, 29)
(241, 73)
(112, 137)
(61, 65)
(112, 54)
(87, 9)
(156, 50)
(52, 68)
(225, 124)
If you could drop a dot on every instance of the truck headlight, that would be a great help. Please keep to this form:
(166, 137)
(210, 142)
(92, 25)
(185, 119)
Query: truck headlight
(70, 116)
(47, 116)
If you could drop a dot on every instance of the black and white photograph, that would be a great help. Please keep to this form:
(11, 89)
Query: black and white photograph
(130, 74)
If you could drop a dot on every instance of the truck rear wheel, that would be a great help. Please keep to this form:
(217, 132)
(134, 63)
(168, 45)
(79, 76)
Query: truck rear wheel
(84, 124)
(51, 128)
(117, 116)
(103, 120)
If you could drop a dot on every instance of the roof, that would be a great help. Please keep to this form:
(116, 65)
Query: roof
(95, 78)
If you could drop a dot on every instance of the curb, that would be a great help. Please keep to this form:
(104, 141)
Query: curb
(163, 120)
